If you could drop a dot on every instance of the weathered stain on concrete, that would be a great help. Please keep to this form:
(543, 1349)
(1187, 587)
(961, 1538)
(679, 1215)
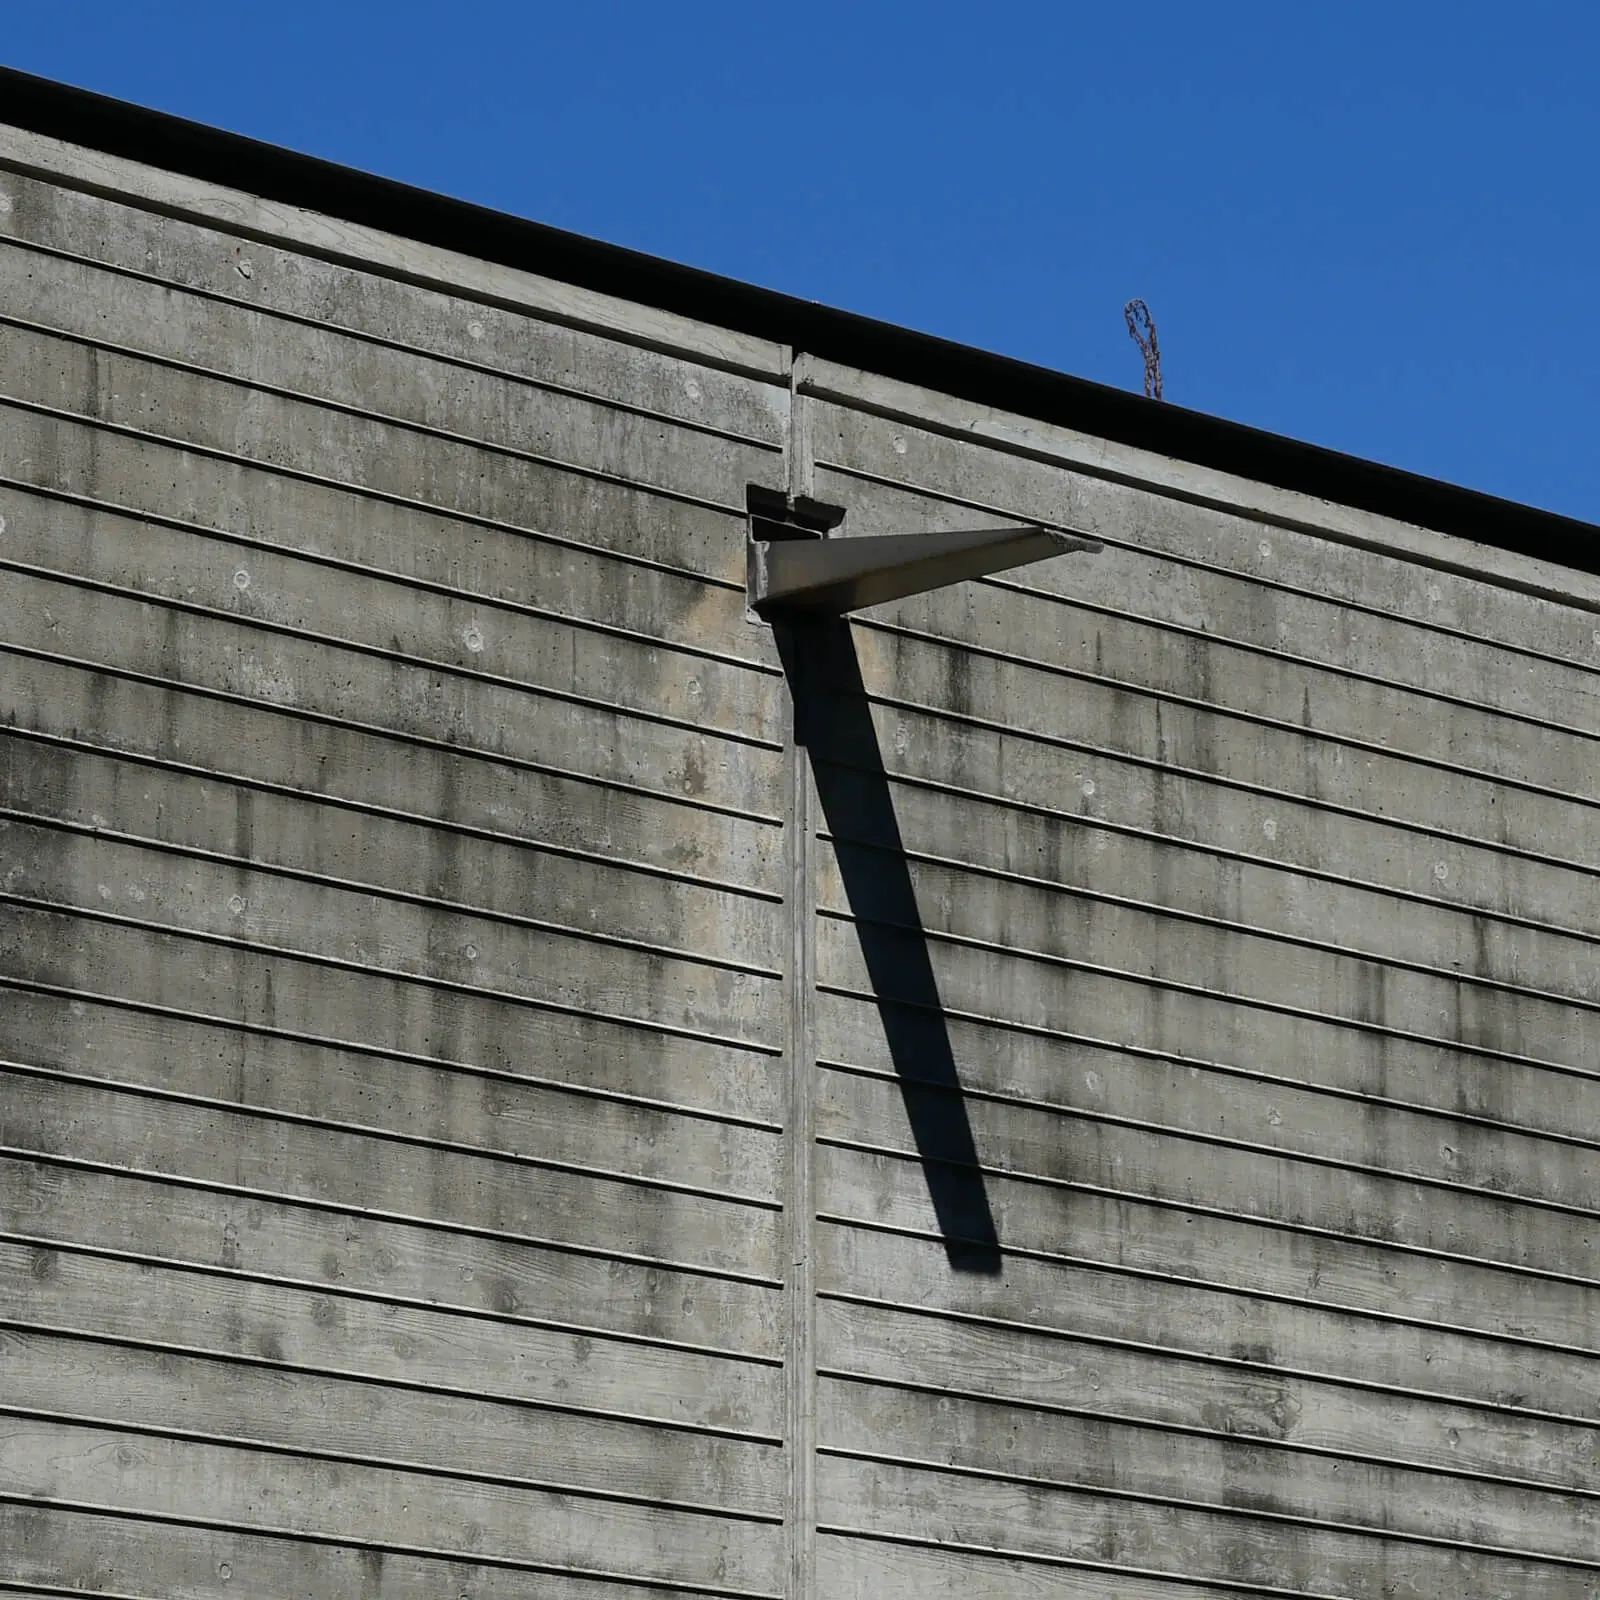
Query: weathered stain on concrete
(399, 961)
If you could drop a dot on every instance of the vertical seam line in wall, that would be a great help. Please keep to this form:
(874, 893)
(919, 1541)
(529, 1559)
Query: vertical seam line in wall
(800, 1372)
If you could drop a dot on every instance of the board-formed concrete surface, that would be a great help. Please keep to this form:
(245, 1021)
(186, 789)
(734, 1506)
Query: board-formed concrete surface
(519, 1079)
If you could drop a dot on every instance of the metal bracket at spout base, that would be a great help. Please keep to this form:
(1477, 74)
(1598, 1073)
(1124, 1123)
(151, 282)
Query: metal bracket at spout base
(837, 575)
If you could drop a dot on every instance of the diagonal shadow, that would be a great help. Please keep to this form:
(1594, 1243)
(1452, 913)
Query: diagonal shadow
(834, 725)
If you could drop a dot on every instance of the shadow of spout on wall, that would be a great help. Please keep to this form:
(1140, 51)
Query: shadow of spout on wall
(833, 723)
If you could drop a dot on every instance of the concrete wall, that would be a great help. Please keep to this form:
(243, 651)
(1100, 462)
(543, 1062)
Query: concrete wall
(395, 916)
(1257, 875)
(1112, 1112)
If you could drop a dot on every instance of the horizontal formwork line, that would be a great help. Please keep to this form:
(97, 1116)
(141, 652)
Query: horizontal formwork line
(1333, 669)
(1211, 1064)
(46, 1589)
(1169, 1353)
(439, 666)
(258, 865)
(40, 1591)
(1177, 1280)
(409, 1386)
(1263, 931)
(1227, 641)
(389, 1136)
(1216, 1508)
(643, 1589)
(146, 437)
(1198, 564)
(164, 519)
(1196, 775)
(354, 1541)
(1370, 1242)
(415, 1469)
(1173, 985)
(1172, 769)
(995, 1552)
(91, 913)
(442, 1064)
(1257, 719)
(369, 264)
(296, 397)
(321, 1289)
(1240, 1291)
(378, 341)
(522, 608)
(1178, 845)
(1066, 1114)
(335, 1289)
(264, 1112)
(1055, 669)
(1373, 1242)
(1245, 1441)
(377, 730)
(1200, 992)
(371, 808)
(365, 969)
(441, 1225)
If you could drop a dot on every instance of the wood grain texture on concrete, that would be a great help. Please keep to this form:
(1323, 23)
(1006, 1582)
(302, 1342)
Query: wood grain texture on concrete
(343, 1200)
(517, 1078)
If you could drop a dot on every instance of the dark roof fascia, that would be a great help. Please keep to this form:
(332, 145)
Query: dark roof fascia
(191, 149)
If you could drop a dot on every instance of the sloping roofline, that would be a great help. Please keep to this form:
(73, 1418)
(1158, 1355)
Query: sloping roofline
(194, 150)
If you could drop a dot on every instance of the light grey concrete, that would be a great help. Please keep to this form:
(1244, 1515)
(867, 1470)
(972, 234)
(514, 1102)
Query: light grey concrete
(458, 1134)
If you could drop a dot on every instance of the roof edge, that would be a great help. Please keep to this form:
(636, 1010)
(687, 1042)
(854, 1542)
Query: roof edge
(194, 150)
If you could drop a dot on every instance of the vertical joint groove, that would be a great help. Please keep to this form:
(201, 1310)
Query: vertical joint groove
(800, 1369)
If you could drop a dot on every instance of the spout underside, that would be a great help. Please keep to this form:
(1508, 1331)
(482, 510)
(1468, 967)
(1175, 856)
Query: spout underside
(837, 575)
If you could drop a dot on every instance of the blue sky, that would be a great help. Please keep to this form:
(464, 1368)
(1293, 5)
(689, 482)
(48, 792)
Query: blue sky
(1371, 226)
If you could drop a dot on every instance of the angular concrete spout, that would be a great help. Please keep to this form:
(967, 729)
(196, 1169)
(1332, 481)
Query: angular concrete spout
(834, 575)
